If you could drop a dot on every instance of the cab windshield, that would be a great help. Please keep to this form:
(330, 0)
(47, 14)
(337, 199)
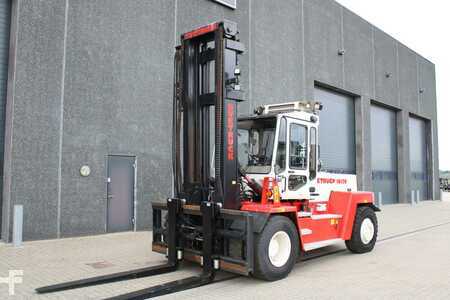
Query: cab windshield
(255, 144)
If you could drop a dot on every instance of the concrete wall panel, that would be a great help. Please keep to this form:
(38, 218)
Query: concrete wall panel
(403, 157)
(427, 88)
(363, 143)
(118, 100)
(5, 15)
(35, 127)
(386, 75)
(276, 53)
(409, 90)
(323, 40)
(434, 171)
(358, 58)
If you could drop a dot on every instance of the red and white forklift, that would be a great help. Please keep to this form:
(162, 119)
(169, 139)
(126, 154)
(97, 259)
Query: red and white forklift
(249, 194)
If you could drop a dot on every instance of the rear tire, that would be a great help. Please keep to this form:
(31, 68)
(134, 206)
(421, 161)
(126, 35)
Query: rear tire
(365, 231)
(276, 249)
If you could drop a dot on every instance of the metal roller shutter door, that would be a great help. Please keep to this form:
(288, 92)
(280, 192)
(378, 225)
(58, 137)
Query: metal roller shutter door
(418, 159)
(337, 132)
(384, 154)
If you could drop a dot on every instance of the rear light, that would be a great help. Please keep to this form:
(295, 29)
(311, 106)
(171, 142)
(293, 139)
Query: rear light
(276, 195)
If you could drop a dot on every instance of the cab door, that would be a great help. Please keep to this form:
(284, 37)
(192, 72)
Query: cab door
(297, 171)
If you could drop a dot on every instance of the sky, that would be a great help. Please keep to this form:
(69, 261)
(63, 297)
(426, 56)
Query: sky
(423, 26)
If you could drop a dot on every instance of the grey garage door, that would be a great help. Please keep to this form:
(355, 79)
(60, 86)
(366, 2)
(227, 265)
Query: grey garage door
(418, 158)
(337, 131)
(384, 154)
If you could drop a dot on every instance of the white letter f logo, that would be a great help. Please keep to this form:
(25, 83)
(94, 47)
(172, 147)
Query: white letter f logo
(14, 277)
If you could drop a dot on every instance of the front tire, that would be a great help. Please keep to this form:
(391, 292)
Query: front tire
(276, 249)
(365, 231)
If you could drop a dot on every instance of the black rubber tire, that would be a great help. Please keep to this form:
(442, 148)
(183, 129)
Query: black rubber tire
(355, 244)
(264, 269)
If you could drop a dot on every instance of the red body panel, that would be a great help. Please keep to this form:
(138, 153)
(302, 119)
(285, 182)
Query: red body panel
(322, 230)
(335, 222)
(345, 204)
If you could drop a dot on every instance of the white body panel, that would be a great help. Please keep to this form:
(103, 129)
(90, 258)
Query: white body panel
(325, 183)
(315, 188)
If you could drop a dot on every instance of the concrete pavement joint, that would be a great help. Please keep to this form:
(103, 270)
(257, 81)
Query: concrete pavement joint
(413, 232)
(381, 241)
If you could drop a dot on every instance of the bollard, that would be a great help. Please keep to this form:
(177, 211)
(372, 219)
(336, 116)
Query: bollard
(17, 225)
(418, 196)
(412, 197)
(380, 199)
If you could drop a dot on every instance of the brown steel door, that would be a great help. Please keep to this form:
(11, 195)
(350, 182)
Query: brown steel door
(120, 193)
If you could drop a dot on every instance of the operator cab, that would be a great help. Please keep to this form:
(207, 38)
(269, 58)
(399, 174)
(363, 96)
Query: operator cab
(281, 141)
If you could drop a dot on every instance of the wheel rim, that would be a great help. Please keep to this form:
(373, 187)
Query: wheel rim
(279, 249)
(367, 231)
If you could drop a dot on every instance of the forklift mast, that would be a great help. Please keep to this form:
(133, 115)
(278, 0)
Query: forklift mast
(206, 94)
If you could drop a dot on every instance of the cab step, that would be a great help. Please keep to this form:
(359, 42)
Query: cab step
(325, 216)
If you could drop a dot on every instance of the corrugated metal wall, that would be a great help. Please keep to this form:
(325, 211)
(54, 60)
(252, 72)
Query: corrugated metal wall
(418, 158)
(384, 154)
(337, 132)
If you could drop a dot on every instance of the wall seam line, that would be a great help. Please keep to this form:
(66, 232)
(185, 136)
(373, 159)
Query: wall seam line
(175, 21)
(10, 99)
(374, 71)
(61, 118)
(418, 85)
(303, 49)
(250, 88)
(172, 187)
(398, 73)
(342, 46)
